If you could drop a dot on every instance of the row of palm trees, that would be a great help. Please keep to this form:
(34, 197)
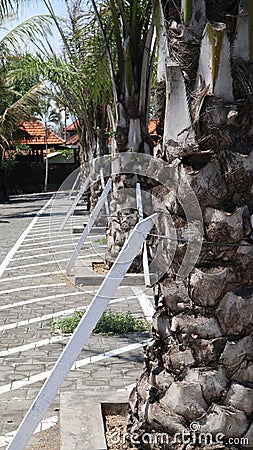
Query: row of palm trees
(198, 368)
(106, 61)
(19, 97)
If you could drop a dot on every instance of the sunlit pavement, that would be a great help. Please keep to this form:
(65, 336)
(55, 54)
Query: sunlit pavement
(33, 291)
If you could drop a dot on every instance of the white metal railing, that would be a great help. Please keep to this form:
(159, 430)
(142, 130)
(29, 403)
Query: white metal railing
(73, 205)
(74, 185)
(102, 199)
(107, 209)
(145, 252)
(69, 355)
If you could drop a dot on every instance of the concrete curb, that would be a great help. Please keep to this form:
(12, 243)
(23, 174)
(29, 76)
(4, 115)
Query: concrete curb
(81, 418)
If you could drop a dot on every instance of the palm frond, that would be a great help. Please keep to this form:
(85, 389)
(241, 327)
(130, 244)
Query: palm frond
(23, 107)
(58, 25)
(145, 75)
(187, 11)
(27, 32)
(250, 19)
(108, 52)
(6, 6)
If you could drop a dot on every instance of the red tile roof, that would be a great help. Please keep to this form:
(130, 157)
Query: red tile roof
(72, 140)
(72, 126)
(33, 133)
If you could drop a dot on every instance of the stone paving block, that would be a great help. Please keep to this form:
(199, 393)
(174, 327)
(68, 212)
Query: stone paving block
(118, 371)
(69, 384)
(84, 276)
(82, 426)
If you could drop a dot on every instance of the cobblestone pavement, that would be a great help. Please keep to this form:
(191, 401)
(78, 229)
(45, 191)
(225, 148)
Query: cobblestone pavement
(33, 291)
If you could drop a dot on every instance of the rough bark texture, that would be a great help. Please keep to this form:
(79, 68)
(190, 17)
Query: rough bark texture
(199, 365)
(123, 212)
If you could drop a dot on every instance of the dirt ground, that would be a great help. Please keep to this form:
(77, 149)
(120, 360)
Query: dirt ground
(46, 440)
(114, 426)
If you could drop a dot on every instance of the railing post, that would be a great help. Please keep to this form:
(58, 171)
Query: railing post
(69, 355)
(106, 201)
(89, 225)
(74, 185)
(74, 203)
(145, 252)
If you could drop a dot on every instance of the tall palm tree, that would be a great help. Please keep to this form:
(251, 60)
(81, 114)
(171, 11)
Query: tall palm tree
(16, 103)
(79, 76)
(127, 28)
(196, 386)
(48, 114)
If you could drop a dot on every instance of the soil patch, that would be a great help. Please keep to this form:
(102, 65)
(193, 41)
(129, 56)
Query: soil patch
(100, 268)
(46, 440)
(115, 418)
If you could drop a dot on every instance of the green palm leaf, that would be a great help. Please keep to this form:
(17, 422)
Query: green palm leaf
(26, 33)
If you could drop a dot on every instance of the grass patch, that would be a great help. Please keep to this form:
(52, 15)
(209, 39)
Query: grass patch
(119, 323)
(110, 323)
(102, 241)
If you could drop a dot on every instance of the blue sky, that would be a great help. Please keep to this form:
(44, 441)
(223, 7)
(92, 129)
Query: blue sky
(36, 7)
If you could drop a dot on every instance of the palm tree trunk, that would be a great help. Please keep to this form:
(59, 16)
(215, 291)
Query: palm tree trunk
(46, 171)
(131, 136)
(131, 41)
(196, 386)
(46, 158)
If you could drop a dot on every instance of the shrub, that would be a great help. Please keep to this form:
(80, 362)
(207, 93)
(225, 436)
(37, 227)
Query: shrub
(110, 323)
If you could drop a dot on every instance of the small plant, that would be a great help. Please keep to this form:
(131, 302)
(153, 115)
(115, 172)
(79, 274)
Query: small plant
(102, 241)
(119, 323)
(67, 324)
(22, 149)
(8, 164)
(110, 323)
(66, 153)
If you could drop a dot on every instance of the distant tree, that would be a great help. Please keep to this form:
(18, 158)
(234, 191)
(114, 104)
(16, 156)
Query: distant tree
(48, 114)
(17, 100)
(79, 76)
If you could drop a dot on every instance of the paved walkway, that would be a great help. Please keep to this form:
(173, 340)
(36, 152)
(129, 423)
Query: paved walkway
(33, 291)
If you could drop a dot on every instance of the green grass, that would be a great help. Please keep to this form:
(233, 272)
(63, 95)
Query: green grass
(67, 324)
(110, 323)
(102, 241)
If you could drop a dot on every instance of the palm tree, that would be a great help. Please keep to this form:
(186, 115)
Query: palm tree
(48, 115)
(130, 49)
(79, 76)
(127, 28)
(197, 374)
(17, 102)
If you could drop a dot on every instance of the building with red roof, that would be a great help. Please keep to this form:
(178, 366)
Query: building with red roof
(37, 137)
(72, 139)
